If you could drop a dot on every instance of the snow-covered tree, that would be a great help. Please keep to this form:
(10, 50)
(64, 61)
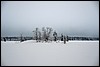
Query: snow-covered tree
(46, 33)
(4, 39)
(21, 38)
(67, 38)
(39, 36)
(36, 33)
(49, 30)
(64, 40)
(61, 37)
(55, 36)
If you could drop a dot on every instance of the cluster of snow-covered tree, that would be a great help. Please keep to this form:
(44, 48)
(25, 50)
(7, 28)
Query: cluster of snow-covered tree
(47, 34)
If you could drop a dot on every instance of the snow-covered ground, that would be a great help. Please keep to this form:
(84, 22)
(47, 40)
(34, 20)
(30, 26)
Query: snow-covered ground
(30, 53)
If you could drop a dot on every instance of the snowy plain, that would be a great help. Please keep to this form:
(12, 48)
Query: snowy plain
(30, 53)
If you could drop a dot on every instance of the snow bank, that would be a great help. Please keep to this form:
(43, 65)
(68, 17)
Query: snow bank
(30, 53)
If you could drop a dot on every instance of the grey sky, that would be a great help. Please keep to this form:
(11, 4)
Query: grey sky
(74, 18)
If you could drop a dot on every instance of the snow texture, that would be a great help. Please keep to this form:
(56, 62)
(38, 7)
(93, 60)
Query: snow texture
(30, 53)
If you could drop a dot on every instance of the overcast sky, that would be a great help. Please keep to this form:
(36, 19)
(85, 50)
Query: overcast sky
(73, 18)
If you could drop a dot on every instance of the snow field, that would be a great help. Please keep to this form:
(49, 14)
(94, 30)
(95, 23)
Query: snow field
(30, 53)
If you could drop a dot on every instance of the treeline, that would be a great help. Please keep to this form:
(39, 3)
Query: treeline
(46, 34)
(59, 38)
(15, 38)
(83, 38)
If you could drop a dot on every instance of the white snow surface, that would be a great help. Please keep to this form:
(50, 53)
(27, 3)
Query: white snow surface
(30, 53)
